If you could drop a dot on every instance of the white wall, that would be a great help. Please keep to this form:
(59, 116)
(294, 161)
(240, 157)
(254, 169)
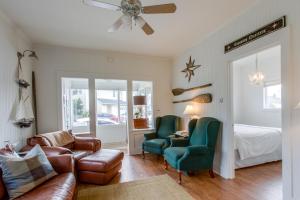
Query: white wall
(11, 41)
(248, 98)
(55, 60)
(210, 53)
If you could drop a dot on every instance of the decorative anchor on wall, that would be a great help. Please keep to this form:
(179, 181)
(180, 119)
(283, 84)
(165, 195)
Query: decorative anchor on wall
(190, 68)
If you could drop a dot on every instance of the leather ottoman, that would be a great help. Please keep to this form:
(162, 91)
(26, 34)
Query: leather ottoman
(100, 167)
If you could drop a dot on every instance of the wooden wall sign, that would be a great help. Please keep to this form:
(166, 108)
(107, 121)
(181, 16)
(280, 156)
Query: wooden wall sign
(270, 28)
(203, 98)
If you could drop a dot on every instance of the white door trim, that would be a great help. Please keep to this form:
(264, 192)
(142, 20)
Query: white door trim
(278, 38)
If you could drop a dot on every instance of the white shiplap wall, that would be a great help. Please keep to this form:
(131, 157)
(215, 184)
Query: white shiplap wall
(210, 53)
(11, 41)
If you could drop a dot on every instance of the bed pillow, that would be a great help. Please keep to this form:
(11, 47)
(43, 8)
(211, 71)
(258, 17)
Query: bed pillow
(21, 175)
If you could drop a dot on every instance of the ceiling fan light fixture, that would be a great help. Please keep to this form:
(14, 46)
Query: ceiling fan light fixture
(132, 9)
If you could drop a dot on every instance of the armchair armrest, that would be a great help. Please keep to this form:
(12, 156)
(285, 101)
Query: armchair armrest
(62, 163)
(150, 136)
(197, 150)
(87, 143)
(179, 142)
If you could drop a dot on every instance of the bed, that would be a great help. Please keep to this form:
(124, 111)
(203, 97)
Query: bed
(256, 145)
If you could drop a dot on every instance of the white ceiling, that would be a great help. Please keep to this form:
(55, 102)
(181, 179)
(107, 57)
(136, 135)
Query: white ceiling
(70, 23)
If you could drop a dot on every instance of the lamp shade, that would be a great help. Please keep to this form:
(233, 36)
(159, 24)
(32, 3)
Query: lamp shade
(139, 100)
(189, 110)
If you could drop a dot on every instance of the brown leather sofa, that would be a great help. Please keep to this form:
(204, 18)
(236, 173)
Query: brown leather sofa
(93, 165)
(79, 146)
(60, 187)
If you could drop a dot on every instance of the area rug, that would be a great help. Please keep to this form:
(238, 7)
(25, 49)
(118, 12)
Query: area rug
(154, 188)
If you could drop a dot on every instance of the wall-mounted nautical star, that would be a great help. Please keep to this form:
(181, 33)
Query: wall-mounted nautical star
(190, 68)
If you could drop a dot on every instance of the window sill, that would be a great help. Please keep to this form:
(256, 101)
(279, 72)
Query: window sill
(110, 125)
(139, 130)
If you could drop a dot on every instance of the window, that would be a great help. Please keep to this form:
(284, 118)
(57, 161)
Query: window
(142, 104)
(111, 107)
(75, 104)
(272, 95)
(111, 102)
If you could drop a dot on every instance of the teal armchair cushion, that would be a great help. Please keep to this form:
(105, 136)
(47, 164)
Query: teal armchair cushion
(174, 154)
(196, 152)
(157, 142)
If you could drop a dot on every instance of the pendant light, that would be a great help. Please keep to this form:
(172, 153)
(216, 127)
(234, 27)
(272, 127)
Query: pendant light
(258, 77)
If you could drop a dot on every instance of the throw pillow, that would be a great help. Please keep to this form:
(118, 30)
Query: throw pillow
(21, 175)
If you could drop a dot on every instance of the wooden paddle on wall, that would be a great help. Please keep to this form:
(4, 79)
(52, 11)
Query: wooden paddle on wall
(179, 91)
(203, 98)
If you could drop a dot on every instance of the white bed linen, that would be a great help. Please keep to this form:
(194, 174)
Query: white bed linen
(254, 141)
(272, 157)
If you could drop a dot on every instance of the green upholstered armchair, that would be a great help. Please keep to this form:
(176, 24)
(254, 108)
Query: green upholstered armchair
(197, 151)
(158, 141)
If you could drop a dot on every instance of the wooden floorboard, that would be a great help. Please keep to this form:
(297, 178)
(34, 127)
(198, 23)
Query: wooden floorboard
(261, 182)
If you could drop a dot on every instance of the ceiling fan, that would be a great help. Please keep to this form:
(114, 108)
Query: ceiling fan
(132, 9)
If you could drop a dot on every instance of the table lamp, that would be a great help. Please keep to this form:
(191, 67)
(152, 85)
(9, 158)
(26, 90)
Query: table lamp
(140, 121)
(190, 113)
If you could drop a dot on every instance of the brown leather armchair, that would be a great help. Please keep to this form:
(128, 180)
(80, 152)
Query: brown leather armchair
(60, 187)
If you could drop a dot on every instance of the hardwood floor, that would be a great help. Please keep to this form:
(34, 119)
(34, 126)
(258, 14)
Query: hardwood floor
(256, 183)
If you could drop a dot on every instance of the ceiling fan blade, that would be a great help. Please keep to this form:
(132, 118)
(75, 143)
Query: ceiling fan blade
(124, 20)
(157, 9)
(144, 25)
(100, 4)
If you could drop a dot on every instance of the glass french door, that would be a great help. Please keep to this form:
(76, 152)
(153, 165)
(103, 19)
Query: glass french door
(111, 111)
(75, 104)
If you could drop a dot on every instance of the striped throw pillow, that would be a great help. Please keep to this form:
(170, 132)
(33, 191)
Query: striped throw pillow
(21, 175)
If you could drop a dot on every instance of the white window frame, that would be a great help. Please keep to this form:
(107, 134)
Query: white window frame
(268, 84)
(152, 105)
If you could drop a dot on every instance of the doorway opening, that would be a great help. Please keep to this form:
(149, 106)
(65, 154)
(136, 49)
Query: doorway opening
(111, 113)
(257, 115)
